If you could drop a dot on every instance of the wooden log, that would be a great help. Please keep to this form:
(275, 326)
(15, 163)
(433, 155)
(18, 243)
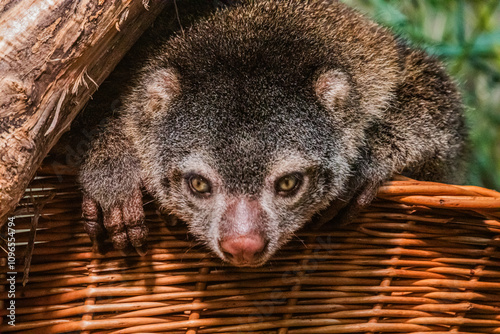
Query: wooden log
(53, 56)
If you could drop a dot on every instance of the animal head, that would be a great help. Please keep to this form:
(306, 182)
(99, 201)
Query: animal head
(249, 124)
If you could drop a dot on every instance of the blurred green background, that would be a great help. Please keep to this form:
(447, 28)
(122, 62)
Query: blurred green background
(465, 34)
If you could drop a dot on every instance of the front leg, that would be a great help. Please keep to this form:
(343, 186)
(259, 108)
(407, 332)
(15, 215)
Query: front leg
(112, 197)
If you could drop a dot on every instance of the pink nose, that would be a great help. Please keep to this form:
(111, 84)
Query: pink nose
(243, 249)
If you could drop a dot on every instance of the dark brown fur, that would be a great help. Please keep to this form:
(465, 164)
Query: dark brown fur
(263, 90)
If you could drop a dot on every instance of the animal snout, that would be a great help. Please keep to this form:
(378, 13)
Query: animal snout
(243, 250)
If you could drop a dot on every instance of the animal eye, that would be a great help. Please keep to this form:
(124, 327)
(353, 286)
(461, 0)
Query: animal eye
(288, 184)
(199, 185)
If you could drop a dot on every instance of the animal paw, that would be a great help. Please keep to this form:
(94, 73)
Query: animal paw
(122, 222)
(362, 198)
(343, 211)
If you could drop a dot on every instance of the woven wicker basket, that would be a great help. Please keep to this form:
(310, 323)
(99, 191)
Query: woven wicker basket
(423, 258)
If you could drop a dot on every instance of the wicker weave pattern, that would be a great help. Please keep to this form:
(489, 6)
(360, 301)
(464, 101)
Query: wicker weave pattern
(423, 258)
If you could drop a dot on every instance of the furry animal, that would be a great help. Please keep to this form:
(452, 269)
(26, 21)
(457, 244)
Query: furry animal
(266, 115)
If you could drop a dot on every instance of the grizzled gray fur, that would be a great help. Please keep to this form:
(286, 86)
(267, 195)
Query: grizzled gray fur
(264, 115)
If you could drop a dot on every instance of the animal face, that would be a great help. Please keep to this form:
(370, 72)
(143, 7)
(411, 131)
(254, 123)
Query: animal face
(246, 228)
(244, 172)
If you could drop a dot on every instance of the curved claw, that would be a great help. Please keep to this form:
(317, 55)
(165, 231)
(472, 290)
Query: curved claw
(142, 251)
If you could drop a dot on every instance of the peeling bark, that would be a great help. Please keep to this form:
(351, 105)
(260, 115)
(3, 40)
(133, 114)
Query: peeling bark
(53, 56)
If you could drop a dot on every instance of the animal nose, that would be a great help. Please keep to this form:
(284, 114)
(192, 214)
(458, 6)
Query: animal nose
(243, 250)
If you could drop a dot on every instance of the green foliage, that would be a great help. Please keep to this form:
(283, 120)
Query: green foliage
(465, 34)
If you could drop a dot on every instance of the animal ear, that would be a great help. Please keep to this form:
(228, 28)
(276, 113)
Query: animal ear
(160, 88)
(332, 88)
